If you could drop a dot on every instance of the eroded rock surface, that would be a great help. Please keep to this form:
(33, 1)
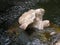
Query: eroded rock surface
(31, 16)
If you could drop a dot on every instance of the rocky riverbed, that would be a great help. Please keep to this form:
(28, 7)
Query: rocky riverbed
(10, 34)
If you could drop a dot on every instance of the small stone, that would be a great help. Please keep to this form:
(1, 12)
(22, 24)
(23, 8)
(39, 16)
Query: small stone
(52, 33)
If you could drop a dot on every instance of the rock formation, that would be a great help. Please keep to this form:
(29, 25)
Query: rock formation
(35, 17)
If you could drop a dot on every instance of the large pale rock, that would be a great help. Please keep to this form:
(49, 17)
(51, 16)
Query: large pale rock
(35, 17)
(30, 17)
